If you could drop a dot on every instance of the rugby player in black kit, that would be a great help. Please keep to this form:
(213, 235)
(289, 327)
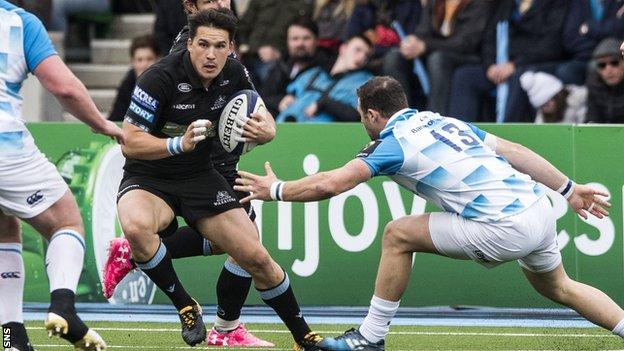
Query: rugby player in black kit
(234, 283)
(168, 172)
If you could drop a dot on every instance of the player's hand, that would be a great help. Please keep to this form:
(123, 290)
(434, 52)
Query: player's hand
(260, 128)
(258, 186)
(587, 199)
(311, 110)
(110, 129)
(195, 133)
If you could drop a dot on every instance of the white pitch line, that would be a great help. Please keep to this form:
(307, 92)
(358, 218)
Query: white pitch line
(272, 331)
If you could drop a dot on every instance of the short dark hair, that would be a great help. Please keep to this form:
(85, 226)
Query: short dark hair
(144, 41)
(382, 94)
(368, 42)
(218, 18)
(305, 22)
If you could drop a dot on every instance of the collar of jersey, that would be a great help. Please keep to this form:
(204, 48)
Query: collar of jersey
(194, 78)
(402, 115)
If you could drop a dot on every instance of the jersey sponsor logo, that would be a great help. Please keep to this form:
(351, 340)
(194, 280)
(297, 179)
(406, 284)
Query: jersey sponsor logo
(369, 148)
(10, 275)
(219, 103)
(146, 115)
(184, 106)
(35, 198)
(143, 98)
(223, 198)
(185, 87)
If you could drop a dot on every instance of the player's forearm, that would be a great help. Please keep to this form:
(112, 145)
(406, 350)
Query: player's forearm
(527, 161)
(311, 188)
(143, 146)
(75, 99)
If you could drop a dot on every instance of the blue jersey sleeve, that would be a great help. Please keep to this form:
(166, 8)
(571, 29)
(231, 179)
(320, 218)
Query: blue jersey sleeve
(383, 157)
(479, 132)
(37, 43)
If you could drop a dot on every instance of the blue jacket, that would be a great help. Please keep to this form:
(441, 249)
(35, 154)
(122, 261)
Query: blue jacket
(315, 85)
(581, 46)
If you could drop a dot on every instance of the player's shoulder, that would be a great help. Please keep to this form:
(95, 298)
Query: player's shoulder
(162, 72)
(233, 67)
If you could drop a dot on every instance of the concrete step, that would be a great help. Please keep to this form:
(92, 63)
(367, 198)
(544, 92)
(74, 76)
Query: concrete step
(100, 76)
(130, 26)
(103, 98)
(110, 51)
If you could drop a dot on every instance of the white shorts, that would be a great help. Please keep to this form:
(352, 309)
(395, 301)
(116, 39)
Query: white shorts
(529, 237)
(29, 185)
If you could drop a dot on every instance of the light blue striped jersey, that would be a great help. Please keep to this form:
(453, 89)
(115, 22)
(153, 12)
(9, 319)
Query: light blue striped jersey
(445, 161)
(24, 44)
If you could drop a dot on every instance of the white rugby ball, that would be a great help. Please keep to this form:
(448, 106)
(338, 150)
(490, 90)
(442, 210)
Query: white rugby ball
(234, 116)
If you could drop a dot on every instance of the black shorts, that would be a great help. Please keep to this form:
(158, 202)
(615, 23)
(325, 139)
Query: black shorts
(203, 196)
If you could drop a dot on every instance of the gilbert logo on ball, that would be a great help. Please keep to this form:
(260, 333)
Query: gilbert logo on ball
(233, 118)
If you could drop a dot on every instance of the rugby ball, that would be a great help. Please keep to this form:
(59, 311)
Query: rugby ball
(233, 118)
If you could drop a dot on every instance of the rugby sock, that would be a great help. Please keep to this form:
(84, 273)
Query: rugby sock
(282, 299)
(11, 282)
(377, 322)
(619, 329)
(62, 302)
(186, 242)
(232, 289)
(160, 270)
(64, 259)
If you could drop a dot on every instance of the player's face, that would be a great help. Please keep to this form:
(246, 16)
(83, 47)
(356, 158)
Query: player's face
(209, 51)
(301, 42)
(142, 59)
(365, 118)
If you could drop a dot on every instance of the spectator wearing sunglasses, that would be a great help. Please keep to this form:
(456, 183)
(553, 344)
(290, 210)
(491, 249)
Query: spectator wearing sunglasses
(605, 82)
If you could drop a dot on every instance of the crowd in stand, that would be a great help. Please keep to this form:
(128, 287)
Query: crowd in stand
(543, 61)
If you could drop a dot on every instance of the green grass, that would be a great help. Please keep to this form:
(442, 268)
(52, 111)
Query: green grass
(166, 337)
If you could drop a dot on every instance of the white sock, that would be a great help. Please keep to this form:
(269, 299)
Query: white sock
(64, 259)
(221, 325)
(11, 283)
(377, 322)
(619, 329)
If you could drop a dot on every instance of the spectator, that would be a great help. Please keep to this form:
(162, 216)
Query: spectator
(61, 9)
(331, 17)
(319, 96)
(373, 19)
(262, 33)
(555, 102)
(587, 23)
(449, 34)
(170, 19)
(303, 54)
(143, 54)
(605, 83)
(534, 43)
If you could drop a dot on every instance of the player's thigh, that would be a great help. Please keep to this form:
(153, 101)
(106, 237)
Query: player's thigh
(549, 284)
(141, 211)
(63, 214)
(233, 232)
(9, 229)
(410, 233)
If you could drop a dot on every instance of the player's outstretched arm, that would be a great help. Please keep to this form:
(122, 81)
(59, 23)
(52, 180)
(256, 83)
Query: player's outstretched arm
(580, 197)
(141, 145)
(73, 96)
(318, 186)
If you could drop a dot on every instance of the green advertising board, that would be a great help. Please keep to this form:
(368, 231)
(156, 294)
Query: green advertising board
(331, 248)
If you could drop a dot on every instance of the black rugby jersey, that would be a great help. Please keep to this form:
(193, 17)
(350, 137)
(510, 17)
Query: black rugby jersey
(223, 161)
(167, 98)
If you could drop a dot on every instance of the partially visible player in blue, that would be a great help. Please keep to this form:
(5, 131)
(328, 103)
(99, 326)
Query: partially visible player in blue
(494, 210)
(31, 188)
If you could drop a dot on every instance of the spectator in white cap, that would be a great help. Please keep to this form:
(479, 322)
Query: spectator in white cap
(555, 103)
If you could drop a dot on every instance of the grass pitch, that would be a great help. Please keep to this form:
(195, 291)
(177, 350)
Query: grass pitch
(166, 337)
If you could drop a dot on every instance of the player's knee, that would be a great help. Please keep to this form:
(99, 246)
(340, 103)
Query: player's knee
(10, 229)
(135, 229)
(257, 262)
(394, 237)
(558, 292)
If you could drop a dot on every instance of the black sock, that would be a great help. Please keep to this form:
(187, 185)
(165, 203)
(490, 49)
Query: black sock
(160, 270)
(282, 299)
(62, 302)
(185, 242)
(18, 336)
(232, 290)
